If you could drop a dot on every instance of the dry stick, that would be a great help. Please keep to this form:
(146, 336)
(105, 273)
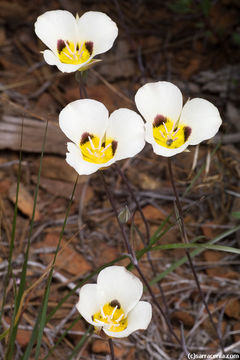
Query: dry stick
(111, 348)
(147, 235)
(134, 260)
(111, 87)
(186, 241)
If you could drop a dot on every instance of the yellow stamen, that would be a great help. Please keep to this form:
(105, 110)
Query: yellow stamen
(113, 315)
(96, 150)
(74, 53)
(166, 133)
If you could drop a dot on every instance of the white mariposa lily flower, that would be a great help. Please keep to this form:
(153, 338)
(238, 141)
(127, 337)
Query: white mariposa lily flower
(113, 303)
(97, 139)
(170, 126)
(73, 42)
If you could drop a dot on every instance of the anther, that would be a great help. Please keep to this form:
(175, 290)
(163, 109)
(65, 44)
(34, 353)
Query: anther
(100, 144)
(161, 133)
(104, 149)
(165, 127)
(113, 312)
(68, 47)
(80, 52)
(175, 133)
(90, 152)
(102, 312)
(91, 142)
(173, 127)
(120, 318)
(67, 55)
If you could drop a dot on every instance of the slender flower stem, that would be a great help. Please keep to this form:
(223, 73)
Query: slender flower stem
(111, 348)
(134, 259)
(80, 77)
(186, 241)
(124, 178)
(125, 238)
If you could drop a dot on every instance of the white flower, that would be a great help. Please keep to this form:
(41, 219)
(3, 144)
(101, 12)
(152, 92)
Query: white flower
(113, 303)
(170, 126)
(97, 139)
(73, 42)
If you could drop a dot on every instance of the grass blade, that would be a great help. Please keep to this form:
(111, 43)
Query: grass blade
(81, 342)
(16, 314)
(196, 246)
(43, 309)
(195, 252)
(14, 223)
(65, 333)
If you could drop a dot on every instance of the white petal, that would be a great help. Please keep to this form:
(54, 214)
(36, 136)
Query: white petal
(82, 116)
(87, 304)
(127, 128)
(99, 28)
(52, 59)
(203, 118)
(159, 98)
(74, 158)
(56, 25)
(116, 283)
(161, 150)
(138, 318)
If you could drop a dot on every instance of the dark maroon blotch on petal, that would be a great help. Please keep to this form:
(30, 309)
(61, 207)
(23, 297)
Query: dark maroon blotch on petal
(159, 120)
(186, 132)
(89, 46)
(114, 147)
(85, 138)
(115, 303)
(60, 45)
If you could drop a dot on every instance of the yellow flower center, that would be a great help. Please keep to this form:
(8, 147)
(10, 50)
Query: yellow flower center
(113, 315)
(166, 133)
(74, 53)
(97, 150)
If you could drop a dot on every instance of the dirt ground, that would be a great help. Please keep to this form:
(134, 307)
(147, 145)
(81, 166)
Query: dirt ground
(195, 45)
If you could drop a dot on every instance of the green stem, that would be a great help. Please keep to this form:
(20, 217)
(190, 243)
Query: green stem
(81, 79)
